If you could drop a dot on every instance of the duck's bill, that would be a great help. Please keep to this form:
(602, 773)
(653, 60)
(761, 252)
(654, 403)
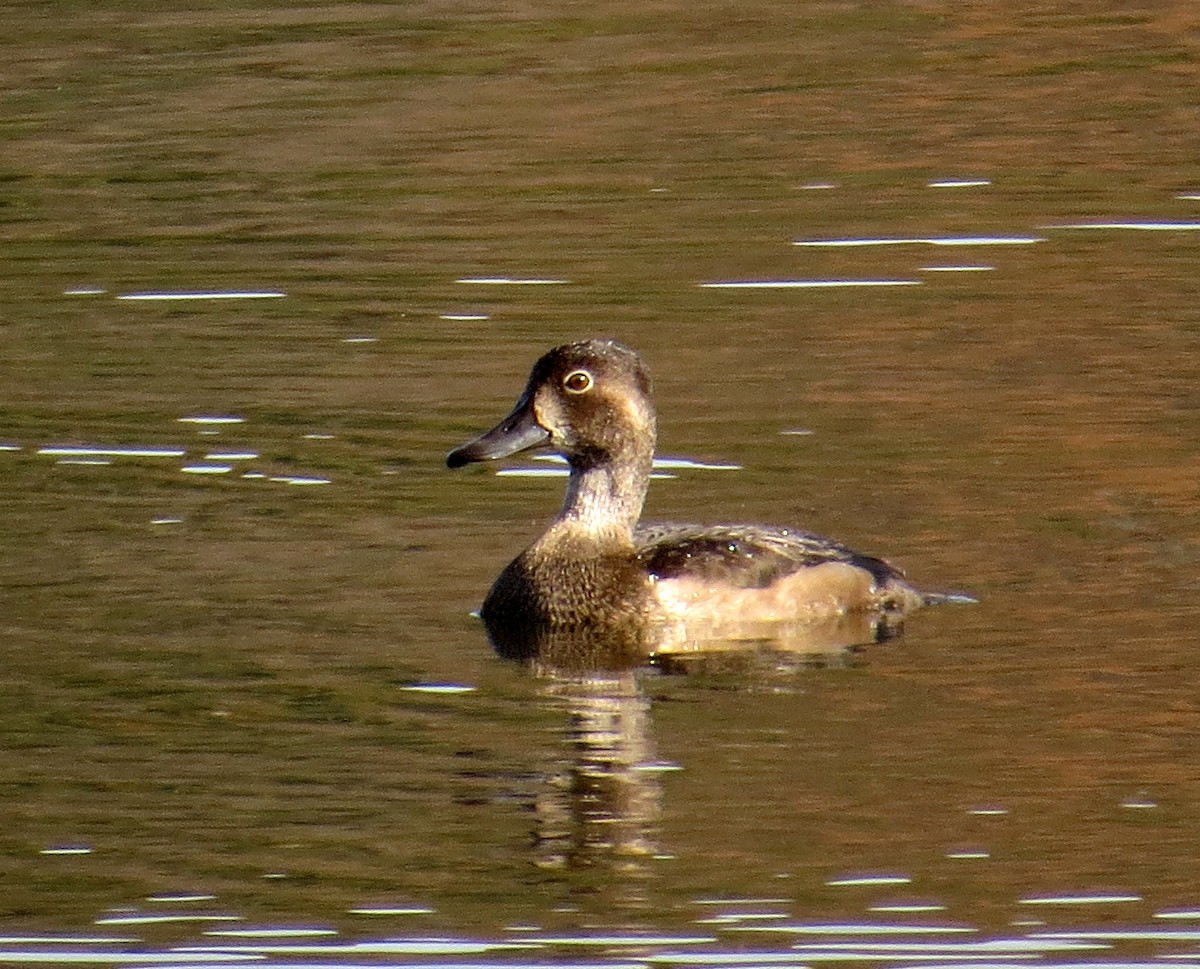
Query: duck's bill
(519, 431)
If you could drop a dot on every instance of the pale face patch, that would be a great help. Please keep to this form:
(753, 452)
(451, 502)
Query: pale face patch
(548, 411)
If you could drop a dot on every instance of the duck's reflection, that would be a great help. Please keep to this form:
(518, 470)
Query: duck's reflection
(600, 804)
(679, 645)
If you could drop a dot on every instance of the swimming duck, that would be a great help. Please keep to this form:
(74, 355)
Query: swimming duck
(597, 568)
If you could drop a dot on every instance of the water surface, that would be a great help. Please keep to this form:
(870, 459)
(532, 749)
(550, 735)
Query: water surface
(242, 687)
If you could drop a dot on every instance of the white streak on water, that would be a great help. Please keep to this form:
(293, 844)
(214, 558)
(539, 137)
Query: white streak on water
(206, 468)
(556, 473)
(986, 945)
(65, 940)
(1020, 948)
(742, 901)
(670, 767)
(138, 919)
(277, 933)
(658, 463)
(68, 450)
(186, 897)
(299, 480)
(533, 472)
(945, 241)
(509, 281)
(1124, 935)
(464, 317)
(211, 419)
(448, 688)
(231, 456)
(343, 964)
(867, 953)
(694, 465)
(808, 283)
(631, 939)
(735, 917)
(447, 947)
(916, 963)
(85, 291)
(852, 880)
(1078, 899)
(960, 183)
(1140, 226)
(123, 958)
(146, 297)
(726, 958)
(858, 928)
(340, 962)
(386, 910)
(957, 269)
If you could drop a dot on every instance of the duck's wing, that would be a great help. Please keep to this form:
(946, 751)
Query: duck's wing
(745, 556)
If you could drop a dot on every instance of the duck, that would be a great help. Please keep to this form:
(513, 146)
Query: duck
(599, 572)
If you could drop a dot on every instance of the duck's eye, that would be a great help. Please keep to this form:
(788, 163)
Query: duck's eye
(578, 382)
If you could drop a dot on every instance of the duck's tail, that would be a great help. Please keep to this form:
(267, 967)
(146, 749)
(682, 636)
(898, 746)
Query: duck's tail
(948, 598)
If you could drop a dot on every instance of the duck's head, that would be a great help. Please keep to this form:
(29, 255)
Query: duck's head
(590, 401)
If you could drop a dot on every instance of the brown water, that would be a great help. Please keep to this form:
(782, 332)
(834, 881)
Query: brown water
(207, 677)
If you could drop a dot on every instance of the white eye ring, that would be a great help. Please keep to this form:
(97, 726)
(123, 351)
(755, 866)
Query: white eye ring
(578, 382)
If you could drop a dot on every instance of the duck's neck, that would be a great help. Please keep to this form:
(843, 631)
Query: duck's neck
(604, 498)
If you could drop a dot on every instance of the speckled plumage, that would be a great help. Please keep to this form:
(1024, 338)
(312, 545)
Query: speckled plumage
(748, 556)
(597, 569)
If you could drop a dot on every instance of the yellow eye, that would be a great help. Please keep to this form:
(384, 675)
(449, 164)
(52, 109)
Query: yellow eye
(578, 382)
